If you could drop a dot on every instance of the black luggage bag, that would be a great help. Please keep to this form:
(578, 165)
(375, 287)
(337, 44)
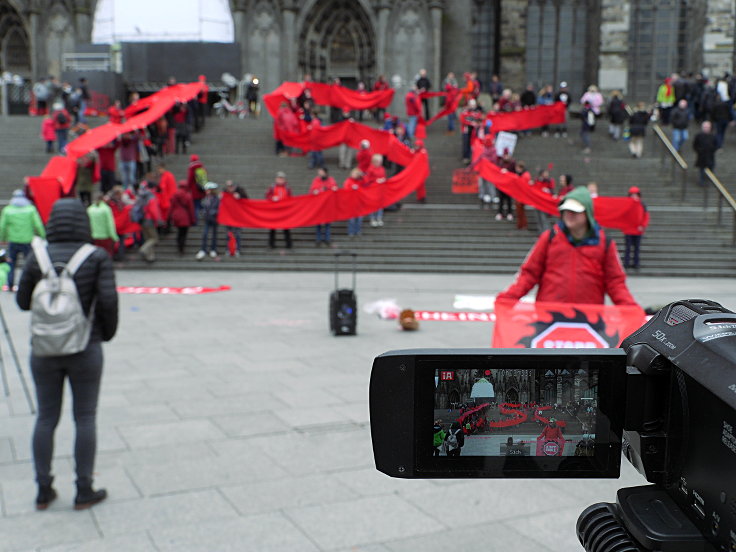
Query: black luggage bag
(343, 303)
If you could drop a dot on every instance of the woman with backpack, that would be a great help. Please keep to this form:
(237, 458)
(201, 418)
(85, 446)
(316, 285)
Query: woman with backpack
(62, 124)
(68, 231)
(454, 440)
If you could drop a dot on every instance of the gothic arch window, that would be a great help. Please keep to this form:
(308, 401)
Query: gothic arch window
(15, 49)
(337, 40)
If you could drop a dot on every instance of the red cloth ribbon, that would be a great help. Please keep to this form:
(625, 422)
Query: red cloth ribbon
(622, 213)
(63, 170)
(328, 94)
(531, 117)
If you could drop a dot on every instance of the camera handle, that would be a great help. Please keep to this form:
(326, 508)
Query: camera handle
(643, 519)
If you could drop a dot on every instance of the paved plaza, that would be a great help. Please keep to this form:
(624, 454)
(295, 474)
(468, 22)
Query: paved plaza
(235, 421)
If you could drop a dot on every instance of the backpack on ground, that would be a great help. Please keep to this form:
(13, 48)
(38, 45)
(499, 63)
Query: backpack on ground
(452, 442)
(59, 326)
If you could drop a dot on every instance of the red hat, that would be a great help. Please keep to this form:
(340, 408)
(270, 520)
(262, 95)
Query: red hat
(634, 190)
(194, 157)
(418, 143)
(387, 115)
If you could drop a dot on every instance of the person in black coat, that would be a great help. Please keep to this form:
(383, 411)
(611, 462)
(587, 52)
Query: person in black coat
(67, 230)
(637, 127)
(705, 145)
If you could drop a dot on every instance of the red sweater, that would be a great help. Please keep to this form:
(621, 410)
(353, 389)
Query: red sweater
(566, 273)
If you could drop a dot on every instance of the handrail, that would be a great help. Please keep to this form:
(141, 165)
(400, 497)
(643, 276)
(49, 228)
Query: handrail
(724, 194)
(667, 144)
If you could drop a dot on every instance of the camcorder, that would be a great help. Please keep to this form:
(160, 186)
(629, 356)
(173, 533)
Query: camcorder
(666, 399)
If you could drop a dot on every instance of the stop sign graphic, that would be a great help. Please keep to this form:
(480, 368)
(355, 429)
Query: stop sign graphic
(569, 335)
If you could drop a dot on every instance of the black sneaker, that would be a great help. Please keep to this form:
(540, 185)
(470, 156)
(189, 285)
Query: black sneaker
(46, 495)
(86, 497)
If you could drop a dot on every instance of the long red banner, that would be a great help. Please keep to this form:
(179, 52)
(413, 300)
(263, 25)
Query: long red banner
(563, 326)
(58, 176)
(621, 213)
(530, 117)
(328, 94)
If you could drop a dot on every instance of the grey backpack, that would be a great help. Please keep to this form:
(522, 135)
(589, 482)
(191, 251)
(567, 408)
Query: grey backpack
(58, 324)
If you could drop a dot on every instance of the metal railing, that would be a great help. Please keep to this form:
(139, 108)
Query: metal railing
(676, 161)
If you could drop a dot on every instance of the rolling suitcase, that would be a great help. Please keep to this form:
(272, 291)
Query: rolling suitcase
(343, 303)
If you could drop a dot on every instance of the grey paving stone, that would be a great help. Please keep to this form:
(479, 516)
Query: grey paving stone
(239, 404)
(560, 523)
(108, 415)
(249, 425)
(488, 500)
(6, 450)
(491, 536)
(118, 518)
(169, 433)
(304, 417)
(265, 533)
(287, 492)
(138, 542)
(370, 520)
(371, 482)
(25, 532)
(179, 475)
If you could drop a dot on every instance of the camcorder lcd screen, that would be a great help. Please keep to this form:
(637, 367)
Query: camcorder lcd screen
(521, 414)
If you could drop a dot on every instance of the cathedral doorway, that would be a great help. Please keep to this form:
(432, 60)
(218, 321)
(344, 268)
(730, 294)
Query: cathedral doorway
(15, 58)
(337, 40)
(512, 396)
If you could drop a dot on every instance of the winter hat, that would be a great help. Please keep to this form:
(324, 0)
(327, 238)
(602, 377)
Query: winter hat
(210, 186)
(281, 174)
(18, 193)
(634, 190)
(194, 157)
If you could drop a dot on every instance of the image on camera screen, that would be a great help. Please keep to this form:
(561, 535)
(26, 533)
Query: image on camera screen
(515, 412)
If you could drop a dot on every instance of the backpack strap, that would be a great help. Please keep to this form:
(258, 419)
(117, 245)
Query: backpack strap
(78, 258)
(42, 256)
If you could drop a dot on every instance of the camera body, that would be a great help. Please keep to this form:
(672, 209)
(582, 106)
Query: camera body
(667, 398)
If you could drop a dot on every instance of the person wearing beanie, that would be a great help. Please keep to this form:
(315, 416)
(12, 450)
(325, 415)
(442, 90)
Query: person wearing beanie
(68, 230)
(19, 223)
(574, 261)
(633, 240)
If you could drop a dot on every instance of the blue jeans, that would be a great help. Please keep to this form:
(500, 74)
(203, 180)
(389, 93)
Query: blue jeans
(209, 230)
(82, 108)
(632, 247)
(679, 137)
(316, 159)
(354, 226)
(127, 172)
(378, 215)
(322, 233)
(62, 135)
(411, 126)
(15, 249)
(451, 119)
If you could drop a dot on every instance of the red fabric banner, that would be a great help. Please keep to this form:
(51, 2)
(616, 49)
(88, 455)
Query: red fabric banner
(123, 224)
(308, 210)
(531, 117)
(622, 213)
(328, 94)
(63, 170)
(563, 326)
(192, 290)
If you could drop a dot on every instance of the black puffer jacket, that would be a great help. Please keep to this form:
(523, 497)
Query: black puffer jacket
(67, 230)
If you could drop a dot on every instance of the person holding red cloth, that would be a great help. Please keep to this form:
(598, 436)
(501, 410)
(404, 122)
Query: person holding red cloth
(574, 262)
(287, 122)
(364, 155)
(633, 240)
(354, 182)
(115, 113)
(413, 110)
(196, 179)
(279, 191)
(322, 183)
(375, 176)
(167, 187)
(378, 86)
(551, 431)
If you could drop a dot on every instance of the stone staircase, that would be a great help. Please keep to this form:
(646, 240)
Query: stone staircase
(450, 233)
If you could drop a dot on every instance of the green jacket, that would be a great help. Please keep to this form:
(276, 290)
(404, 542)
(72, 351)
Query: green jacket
(20, 224)
(4, 271)
(101, 221)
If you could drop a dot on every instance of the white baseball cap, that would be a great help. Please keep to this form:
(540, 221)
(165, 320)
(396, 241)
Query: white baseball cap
(573, 205)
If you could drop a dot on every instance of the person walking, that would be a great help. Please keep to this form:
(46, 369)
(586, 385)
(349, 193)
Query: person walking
(19, 222)
(68, 230)
(152, 220)
(680, 119)
(705, 145)
(637, 127)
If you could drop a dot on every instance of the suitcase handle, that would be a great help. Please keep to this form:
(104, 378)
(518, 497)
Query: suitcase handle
(339, 254)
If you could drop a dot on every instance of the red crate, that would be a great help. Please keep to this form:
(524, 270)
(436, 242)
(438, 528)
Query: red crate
(464, 181)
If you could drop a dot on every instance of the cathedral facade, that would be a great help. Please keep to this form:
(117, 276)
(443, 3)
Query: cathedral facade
(629, 45)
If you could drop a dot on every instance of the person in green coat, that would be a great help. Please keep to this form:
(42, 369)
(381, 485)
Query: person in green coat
(102, 224)
(439, 438)
(19, 223)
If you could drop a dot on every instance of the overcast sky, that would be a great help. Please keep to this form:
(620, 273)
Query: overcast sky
(162, 20)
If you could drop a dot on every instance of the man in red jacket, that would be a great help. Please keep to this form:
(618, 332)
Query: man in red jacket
(279, 191)
(574, 261)
(413, 110)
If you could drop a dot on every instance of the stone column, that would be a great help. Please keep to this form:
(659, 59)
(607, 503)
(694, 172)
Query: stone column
(384, 10)
(435, 12)
(288, 39)
(38, 68)
(238, 8)
(82, 22)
